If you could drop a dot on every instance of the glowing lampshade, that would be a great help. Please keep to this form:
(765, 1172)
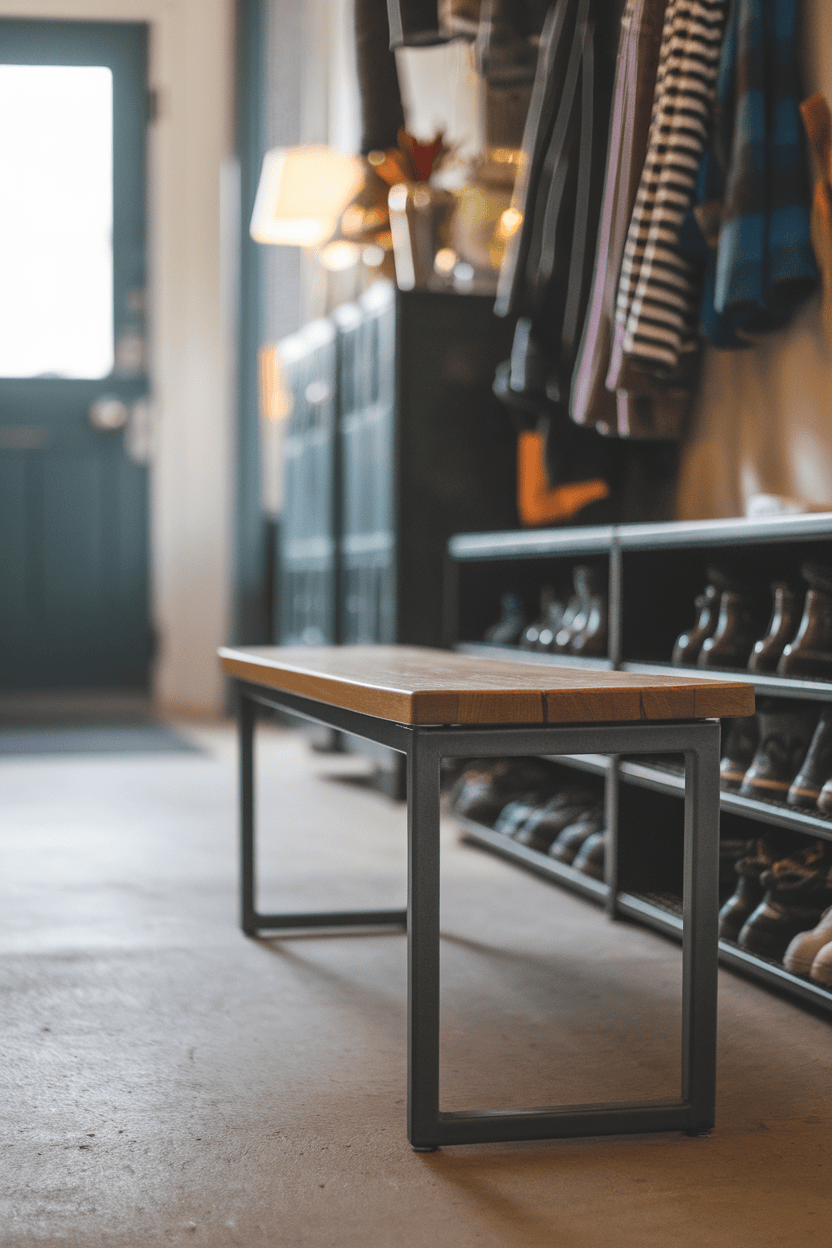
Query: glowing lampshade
(302, 193)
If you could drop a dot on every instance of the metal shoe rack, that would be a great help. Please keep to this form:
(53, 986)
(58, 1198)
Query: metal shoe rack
(654, 573)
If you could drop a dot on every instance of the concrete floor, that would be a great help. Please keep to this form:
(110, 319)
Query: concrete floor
(166, 1081)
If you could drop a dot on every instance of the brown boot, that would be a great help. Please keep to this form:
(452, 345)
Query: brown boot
(810, 654)
(742, 739)
(817, 766)
(783, 626)
(797, 891)
(786, 730)
(736, 629)
(687, 647)
(749, 892)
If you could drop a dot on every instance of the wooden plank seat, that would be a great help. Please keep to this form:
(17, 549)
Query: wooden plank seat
(431, 704)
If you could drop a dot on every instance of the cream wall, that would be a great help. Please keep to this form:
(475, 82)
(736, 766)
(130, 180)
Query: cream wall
(763, 419)
(191, 153)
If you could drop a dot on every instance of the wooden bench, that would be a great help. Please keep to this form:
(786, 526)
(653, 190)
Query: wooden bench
(431, 704)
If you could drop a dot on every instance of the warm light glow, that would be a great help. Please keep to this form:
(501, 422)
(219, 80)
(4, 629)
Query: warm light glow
(275, 397)
(373, 256)
(509, 223)
(302, 193)
(339, 255)
(444, 261)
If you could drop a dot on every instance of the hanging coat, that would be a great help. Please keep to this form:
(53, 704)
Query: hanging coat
(649, 415)
(547, 270)
(660, 288)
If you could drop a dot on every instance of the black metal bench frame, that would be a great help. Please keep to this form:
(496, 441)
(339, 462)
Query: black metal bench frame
(424, 747)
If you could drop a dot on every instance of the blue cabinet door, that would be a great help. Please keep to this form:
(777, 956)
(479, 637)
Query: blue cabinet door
(74, 607)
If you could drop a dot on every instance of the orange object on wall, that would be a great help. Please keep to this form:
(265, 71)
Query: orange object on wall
(537, 501)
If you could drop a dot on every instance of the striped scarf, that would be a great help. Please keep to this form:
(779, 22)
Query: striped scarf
(659, 290)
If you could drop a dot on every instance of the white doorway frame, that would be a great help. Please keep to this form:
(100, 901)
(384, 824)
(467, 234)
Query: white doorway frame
(191, 248)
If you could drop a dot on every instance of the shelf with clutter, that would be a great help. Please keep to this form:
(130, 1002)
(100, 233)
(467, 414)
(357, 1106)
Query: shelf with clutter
(734, 597)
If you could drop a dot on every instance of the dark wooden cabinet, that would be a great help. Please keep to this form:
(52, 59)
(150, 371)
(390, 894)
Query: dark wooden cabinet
(395, 442)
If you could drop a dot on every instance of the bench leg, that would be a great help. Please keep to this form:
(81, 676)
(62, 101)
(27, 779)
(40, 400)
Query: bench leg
(251, 921)
(246, 717)
(423, 945)
(699, 950)
(693, 1113)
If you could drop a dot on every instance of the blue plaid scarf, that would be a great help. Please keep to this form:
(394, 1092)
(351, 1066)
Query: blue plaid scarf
(751, 221)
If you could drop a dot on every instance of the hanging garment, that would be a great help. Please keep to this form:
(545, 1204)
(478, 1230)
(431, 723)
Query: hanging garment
(650, 415)
(660, 289)
(817, 119)
(547, 271)
(752, 219)
(382, 115)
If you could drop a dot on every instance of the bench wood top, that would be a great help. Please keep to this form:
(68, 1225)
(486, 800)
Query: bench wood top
(414, 685)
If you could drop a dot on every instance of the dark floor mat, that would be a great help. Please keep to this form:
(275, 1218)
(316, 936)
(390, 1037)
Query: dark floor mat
(141, 738)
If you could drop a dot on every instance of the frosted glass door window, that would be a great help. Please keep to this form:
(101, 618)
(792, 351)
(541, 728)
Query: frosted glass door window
(56, 221)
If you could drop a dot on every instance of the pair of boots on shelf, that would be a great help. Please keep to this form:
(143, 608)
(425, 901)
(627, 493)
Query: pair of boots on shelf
(577, 626)
(527, 800)
(797, 642)
(782, 906)
(782, 754)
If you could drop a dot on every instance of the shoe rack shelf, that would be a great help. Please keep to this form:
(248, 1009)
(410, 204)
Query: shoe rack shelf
(663, 914)
(653, 573)
(773, 686)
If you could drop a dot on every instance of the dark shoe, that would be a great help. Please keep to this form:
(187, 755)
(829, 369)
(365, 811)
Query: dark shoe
(591, 640)
(810, 654)
(736, 630)
(515, 814)
(509, 628)
(588, 584)
(783, 625)
(551, 624)
(749, 891)
(571, 839)
(574, 620)
(688, 645)
(731, 851)
(548, 821)
(817, 766)
(551, 611)
(741, 742)
(591, 856)
(487, 786)
(797, 891)
(786, 730)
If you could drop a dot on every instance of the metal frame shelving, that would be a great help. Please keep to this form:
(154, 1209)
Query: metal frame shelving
(615, 543)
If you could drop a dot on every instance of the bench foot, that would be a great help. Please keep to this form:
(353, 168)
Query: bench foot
(425, 1148)
(324, 919)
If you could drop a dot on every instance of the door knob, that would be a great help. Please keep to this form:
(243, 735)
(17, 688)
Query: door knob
(108, 413)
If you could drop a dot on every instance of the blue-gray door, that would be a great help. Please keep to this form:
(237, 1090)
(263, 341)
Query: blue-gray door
(73, 484)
